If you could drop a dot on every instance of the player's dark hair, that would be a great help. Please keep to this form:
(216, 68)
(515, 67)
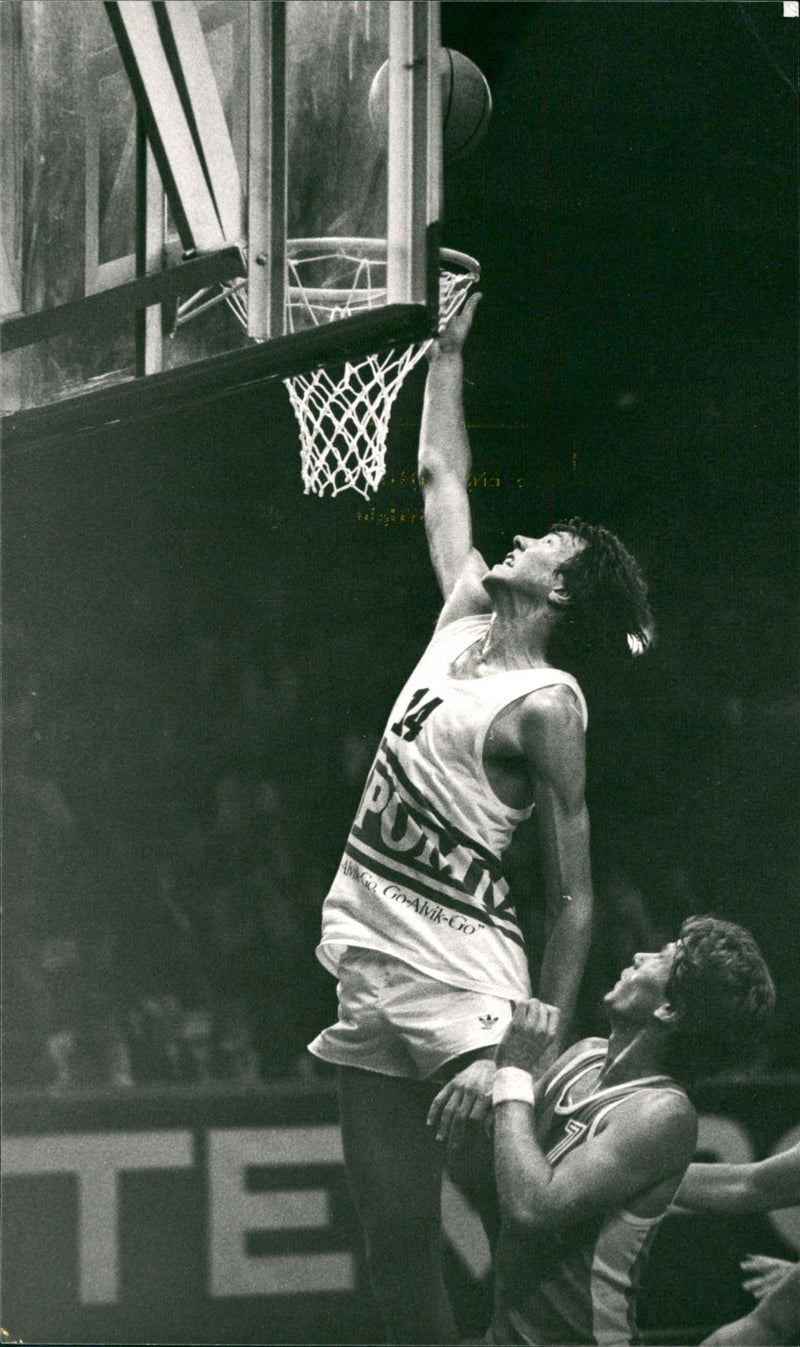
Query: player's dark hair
(724, 996)
(608, 615)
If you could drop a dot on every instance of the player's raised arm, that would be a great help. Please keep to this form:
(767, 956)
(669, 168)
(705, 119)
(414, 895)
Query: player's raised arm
(553, 742)
(444, 464)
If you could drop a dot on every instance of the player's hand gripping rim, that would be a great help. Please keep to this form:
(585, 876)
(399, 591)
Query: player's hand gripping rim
(450, 341)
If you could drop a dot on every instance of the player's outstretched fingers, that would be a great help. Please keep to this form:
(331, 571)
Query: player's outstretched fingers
(439, 1101)
(449, 1125)
(763, 1273)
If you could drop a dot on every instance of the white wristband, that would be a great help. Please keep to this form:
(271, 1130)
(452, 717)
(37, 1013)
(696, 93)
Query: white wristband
(512, 1083)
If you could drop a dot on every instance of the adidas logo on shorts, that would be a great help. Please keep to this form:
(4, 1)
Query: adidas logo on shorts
(488, 1020)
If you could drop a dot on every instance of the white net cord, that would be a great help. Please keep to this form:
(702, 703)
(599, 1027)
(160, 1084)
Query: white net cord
(344, 421)
(343, 413)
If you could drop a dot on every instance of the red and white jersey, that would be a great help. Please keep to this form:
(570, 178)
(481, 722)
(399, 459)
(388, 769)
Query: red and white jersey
(421, 877)
(577, 1285)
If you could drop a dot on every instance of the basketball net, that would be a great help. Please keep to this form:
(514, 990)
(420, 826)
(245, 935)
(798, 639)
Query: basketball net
(343, 413)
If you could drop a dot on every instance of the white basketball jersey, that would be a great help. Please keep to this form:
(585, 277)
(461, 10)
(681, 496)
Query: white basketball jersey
(421, 877)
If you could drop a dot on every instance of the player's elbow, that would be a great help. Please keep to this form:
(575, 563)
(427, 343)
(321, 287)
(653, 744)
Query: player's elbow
(431, 460)
(530, 1213)
(517, 1210)
(528, 1201)
(443, 485)
(574, 909)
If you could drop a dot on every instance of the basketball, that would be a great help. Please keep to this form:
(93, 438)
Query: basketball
(466, 103)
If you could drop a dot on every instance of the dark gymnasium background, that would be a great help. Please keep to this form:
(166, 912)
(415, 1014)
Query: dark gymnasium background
(200, 659)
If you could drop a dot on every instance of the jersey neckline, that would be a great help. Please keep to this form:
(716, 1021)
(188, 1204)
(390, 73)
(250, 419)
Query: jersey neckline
(587, 1061)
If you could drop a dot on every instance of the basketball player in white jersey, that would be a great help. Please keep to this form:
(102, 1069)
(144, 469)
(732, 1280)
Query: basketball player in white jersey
(419, 927)
(589, 1153)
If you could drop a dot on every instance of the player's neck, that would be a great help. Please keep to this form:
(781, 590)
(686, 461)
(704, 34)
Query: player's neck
(516, 641)
(632, 1054)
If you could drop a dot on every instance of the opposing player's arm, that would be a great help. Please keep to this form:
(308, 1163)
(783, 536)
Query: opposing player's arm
(553, 742)
(774, 1319)
(444, 464)
(645, 1142)
(765, 1185)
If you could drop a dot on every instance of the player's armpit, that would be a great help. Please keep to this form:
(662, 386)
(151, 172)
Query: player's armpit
(467, 597)
(553, 742)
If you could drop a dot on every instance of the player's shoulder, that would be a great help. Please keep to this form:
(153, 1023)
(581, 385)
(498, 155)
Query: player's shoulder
(583, 1048)
(576, 1052)
(585, 1045)
(554, 705)
(552, 725)
(661, 1116)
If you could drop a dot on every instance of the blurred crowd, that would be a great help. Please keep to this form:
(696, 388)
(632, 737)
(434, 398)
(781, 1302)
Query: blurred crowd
(168, 847)
(164, 880)
(216, 980)
(210, 977)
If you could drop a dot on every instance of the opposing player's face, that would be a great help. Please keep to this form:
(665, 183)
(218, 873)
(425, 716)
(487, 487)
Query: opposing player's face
(641, 989)
(533, 564)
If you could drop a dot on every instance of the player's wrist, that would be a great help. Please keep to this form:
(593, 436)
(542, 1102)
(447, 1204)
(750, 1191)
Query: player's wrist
(512, 1084)
(514, 1053)
(445, 366)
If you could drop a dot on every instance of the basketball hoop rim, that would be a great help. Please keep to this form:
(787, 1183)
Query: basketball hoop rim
(370, 250)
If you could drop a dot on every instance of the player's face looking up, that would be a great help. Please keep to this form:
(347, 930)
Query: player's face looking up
(641, 988)
(533, 565)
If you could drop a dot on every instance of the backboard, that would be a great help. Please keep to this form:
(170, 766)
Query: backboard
(158, 158)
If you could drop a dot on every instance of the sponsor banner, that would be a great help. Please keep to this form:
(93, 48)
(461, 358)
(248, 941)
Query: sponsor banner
(187, 1217)
(180, 1217)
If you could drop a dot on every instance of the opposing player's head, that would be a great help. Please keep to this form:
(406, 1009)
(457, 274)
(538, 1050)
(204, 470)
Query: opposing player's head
(708, 997)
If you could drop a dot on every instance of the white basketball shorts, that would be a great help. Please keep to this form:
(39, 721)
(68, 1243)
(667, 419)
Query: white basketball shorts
(400, 1022)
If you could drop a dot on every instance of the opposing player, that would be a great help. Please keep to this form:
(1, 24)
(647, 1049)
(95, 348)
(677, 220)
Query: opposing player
(589, 1153)
(763, 1185)
(419, 926)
